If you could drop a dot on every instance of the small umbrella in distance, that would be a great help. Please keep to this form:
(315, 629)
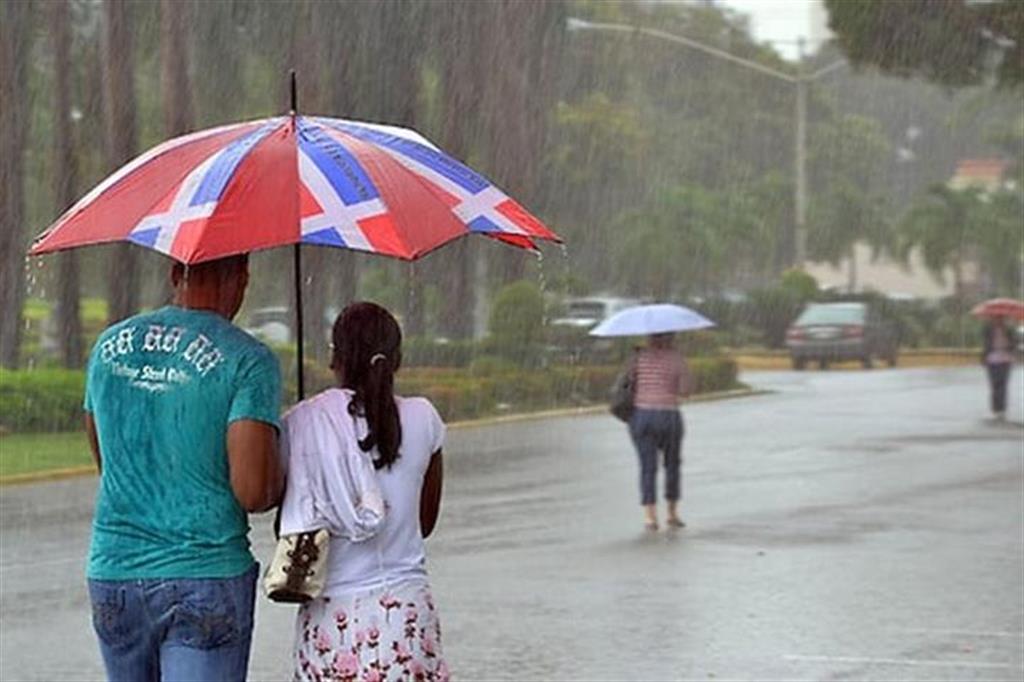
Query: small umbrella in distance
(1000, 307)
(657, 318)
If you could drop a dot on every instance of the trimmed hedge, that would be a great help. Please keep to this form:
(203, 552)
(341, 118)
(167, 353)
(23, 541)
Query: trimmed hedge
(50, 400)
(41, 399)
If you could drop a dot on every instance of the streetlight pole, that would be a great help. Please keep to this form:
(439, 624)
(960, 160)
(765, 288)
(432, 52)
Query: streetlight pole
(800, 80)
(800, 157)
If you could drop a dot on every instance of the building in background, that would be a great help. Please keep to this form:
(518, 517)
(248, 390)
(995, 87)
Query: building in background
(987, 175)
(892, 278)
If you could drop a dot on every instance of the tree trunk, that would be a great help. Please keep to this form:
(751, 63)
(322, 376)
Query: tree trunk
(461, 71)
(341, 97)
(15, 39)
(216, 44)
(65, 171)
(304, 52)
(529, 41)
(118, 63)
(175, 88)
(397, 27)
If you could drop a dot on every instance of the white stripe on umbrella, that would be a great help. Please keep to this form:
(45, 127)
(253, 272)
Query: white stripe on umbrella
(484, 204)
(180, 211)
(343, 218)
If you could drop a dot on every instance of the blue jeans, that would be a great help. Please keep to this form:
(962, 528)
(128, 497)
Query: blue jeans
(653, 431)
(998, 378)
(181, 629)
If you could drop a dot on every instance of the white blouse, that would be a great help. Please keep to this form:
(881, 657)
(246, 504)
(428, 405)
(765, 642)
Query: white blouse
(372, 515)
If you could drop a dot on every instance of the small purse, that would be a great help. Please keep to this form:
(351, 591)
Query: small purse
(621, 404)
(296, 574)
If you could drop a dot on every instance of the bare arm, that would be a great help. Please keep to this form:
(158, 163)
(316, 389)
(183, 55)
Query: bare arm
(256, 476)
(430, 498)
(94, 441)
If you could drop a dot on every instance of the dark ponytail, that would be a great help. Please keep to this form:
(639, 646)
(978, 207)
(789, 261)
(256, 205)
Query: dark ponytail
(367, 353)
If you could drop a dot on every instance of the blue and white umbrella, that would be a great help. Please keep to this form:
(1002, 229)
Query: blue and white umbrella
(659, 318)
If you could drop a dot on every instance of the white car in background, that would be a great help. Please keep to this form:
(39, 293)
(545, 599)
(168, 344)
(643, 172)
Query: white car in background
(272, 324)
(587, 313)
(569, 332)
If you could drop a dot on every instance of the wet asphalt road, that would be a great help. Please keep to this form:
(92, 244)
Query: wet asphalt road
(851, 526)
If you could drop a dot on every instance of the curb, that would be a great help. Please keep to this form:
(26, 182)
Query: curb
(581, 411)
(47, 475)
(587, 410)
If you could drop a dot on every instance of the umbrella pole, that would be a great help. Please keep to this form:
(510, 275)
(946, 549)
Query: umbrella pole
(297, 260)
(297, 271)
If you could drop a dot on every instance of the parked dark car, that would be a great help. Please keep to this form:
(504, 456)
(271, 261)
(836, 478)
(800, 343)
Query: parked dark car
(842, 331)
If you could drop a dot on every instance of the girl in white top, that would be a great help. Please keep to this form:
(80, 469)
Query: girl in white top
(366, 464)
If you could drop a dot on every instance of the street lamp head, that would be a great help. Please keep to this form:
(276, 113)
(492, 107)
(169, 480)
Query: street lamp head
(576, 24)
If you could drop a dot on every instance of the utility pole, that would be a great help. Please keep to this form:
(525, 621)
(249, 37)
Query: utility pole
(796, 234)
(800, 196)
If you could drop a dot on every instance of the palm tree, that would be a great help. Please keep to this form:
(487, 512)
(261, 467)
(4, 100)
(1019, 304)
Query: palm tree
(942, 225)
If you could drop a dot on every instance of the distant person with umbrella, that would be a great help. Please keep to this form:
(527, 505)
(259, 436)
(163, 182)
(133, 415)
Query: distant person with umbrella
(998, 344)
(659, 378)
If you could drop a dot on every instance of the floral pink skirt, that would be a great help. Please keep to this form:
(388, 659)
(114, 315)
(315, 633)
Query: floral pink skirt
(373, 636)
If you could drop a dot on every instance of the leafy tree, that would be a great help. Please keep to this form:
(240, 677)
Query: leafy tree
(952, 42)
(1000, 247)
(800, 283)
(517, 316)
(943, 225)
(681, 241)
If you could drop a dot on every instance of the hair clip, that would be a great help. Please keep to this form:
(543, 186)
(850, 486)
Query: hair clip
(377, 357)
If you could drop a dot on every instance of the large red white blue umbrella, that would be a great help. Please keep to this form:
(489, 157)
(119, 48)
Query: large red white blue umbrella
(293, 180)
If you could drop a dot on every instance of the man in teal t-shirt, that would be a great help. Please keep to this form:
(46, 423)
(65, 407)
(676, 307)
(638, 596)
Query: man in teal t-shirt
(182, 413)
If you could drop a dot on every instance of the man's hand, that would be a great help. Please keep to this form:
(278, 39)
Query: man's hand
(256, 476)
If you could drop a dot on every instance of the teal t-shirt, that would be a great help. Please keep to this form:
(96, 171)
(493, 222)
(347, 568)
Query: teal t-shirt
(162, 388)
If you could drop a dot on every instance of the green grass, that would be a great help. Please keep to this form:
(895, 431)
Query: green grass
(23, 453)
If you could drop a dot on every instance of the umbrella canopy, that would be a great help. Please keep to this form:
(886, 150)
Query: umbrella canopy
(293, 180)
(659, 318)
(1000, 307)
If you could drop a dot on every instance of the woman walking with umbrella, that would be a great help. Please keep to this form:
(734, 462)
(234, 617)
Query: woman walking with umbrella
(998, 343)
(659, 378)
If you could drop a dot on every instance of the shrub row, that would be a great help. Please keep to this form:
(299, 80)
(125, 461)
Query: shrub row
(41, 400)
(492, 385)
(51, 399)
